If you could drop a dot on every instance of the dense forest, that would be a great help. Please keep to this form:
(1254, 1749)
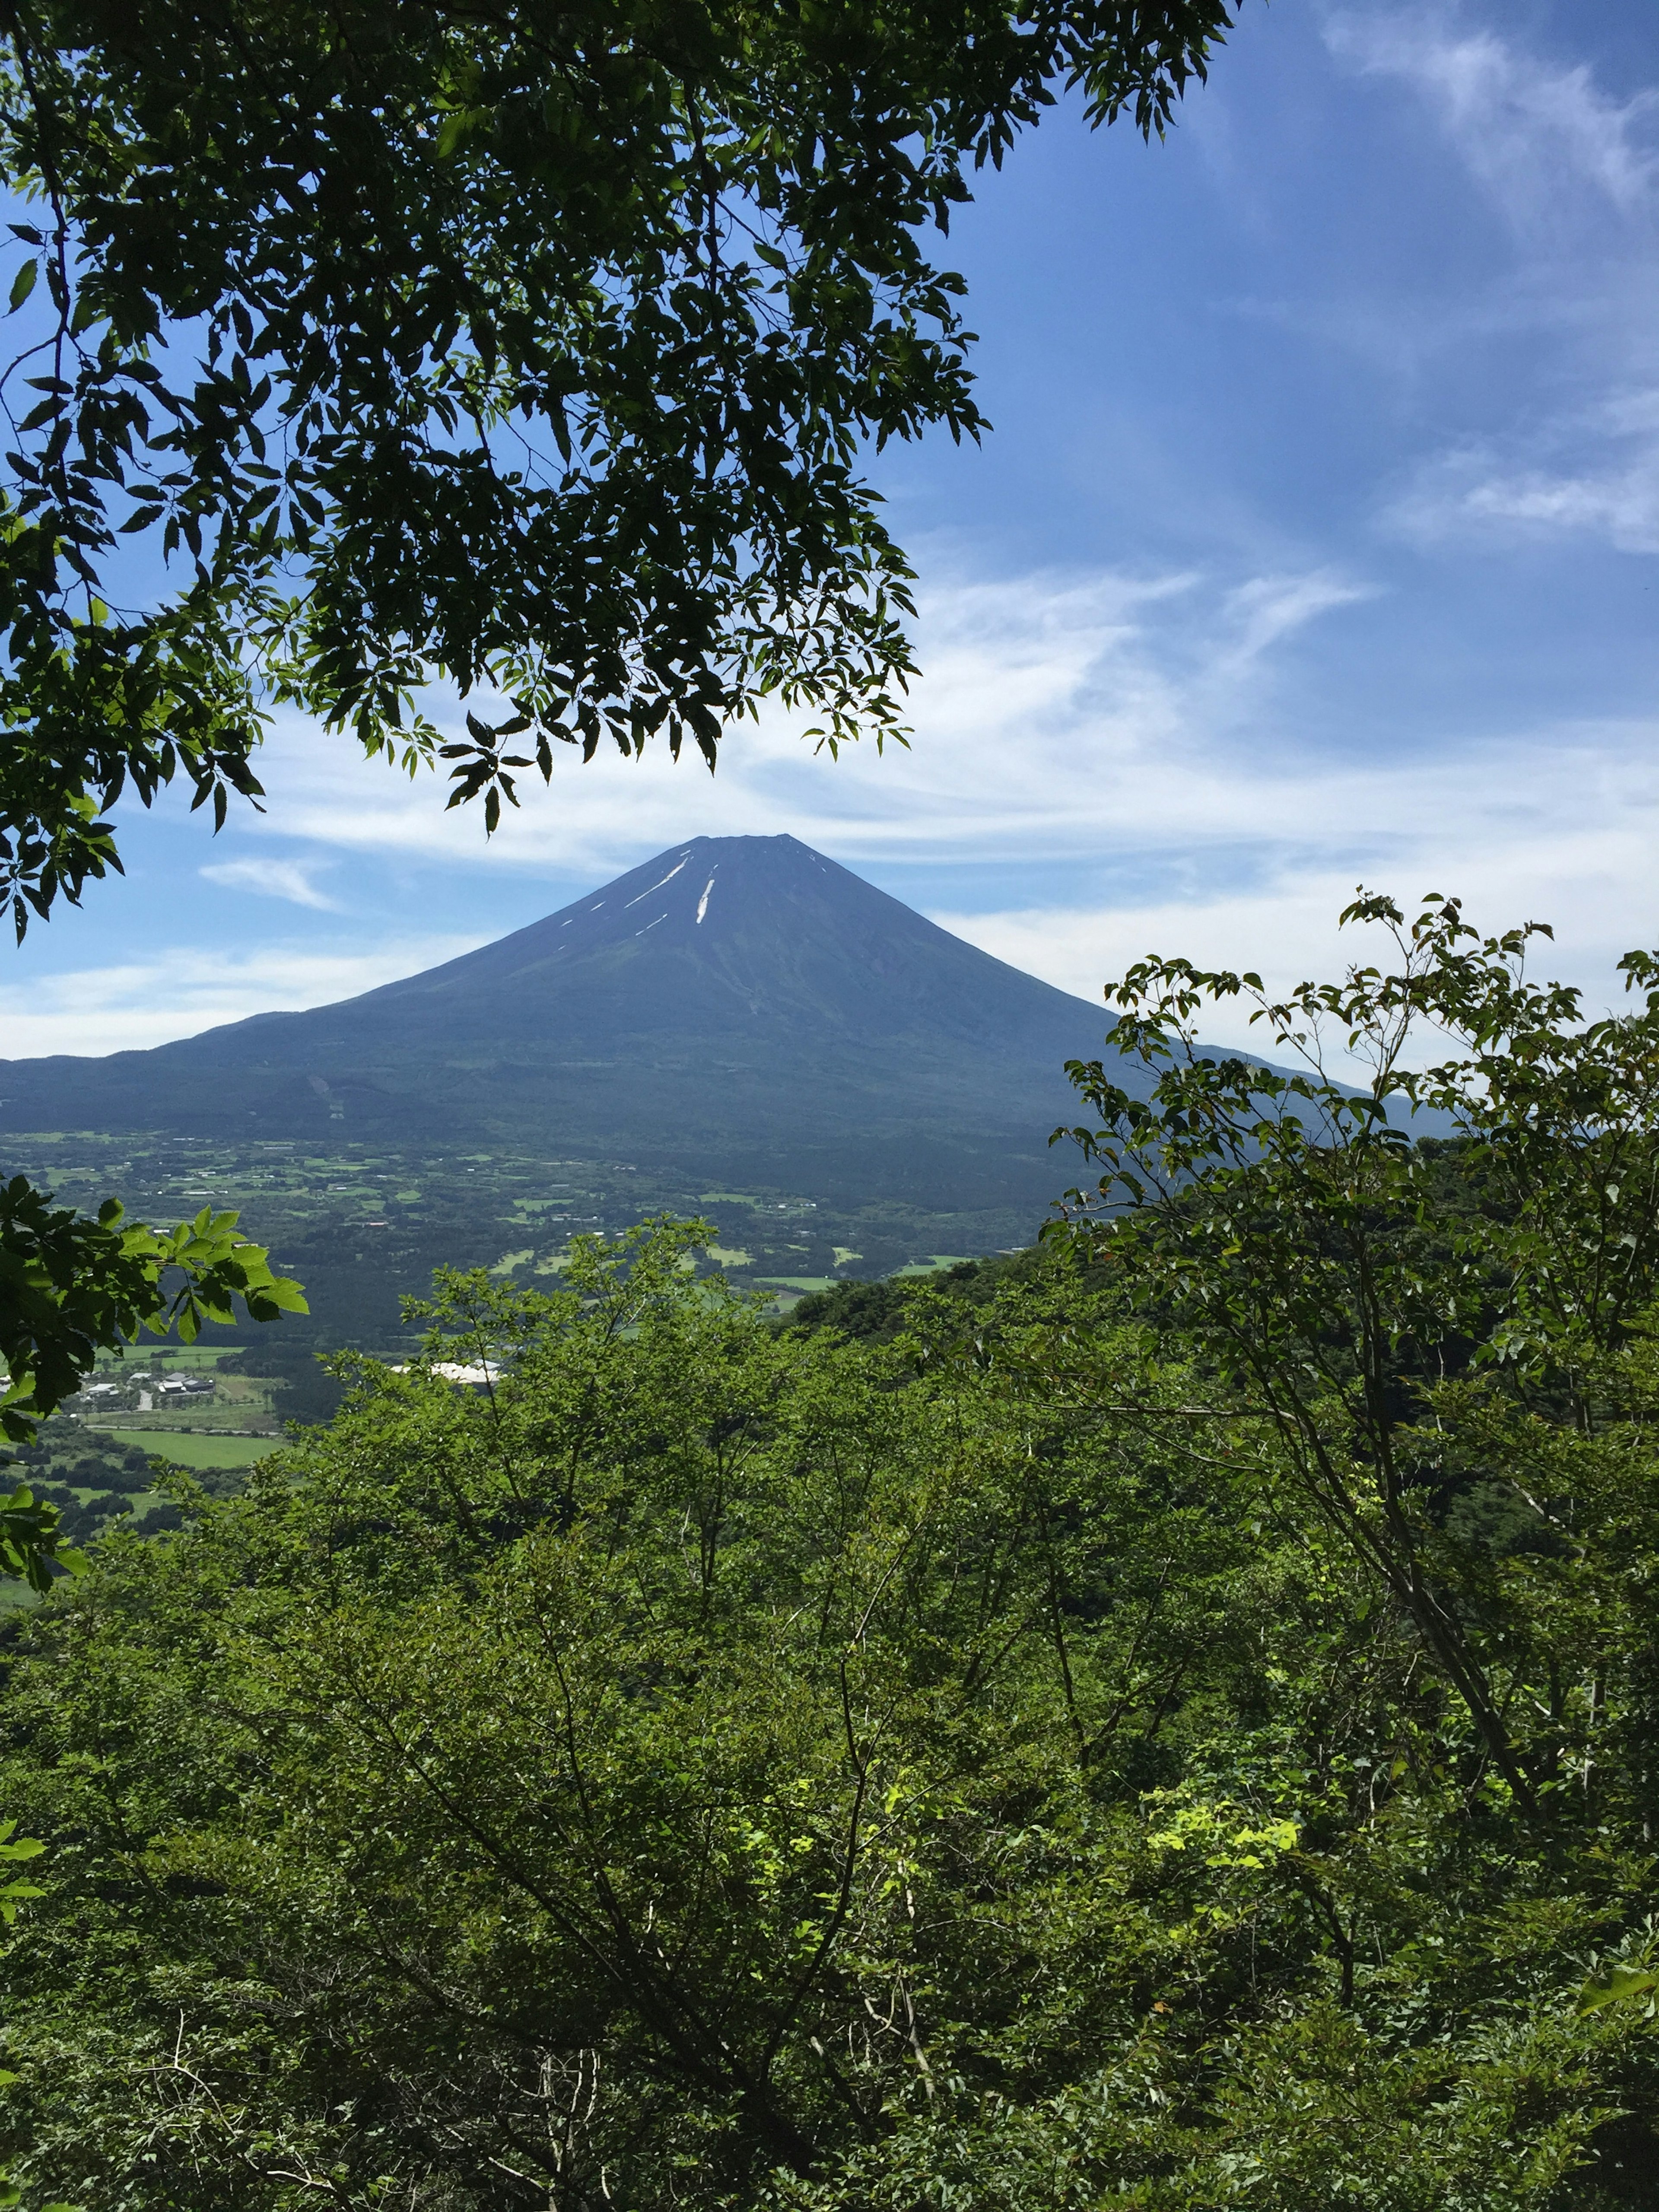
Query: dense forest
(1168, 1719)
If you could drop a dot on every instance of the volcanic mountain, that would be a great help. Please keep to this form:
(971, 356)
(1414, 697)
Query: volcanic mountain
(737, 1006)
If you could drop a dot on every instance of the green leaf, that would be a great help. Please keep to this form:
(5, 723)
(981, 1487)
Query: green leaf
(1622, 1985)
(22, 284)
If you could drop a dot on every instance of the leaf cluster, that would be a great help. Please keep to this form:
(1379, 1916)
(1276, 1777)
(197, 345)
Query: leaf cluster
(534, 355)
(72, 1283)
(1286, 1222)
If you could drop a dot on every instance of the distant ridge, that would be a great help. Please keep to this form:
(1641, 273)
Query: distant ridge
(737, 1005)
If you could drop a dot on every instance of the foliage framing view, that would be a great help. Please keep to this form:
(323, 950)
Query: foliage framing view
(532, 351)
(1172, 1724)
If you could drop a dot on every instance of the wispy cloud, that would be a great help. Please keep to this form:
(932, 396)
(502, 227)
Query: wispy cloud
(271, 878)
(1529, 130)
(1269, 608)
(135, 1004)
(1129, 730)
(1564, 855)
(1057, 714)
(1572, 168)
(1593, 474)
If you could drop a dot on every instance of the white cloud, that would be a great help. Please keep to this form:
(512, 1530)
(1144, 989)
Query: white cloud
(283, 879)
(1158, 748)
(1567, 324)
(138, 1004)
(1057, 715)
(1564, 855)
(1608, 489)
(1129, 730)
(1574, 169)
(1268, 608)
(1530, 130)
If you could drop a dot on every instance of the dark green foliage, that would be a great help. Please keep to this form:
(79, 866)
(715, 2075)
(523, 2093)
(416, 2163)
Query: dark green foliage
(540, 356)
(875, 1313)
(84, 1524)
(68, 1284)
(309, 1392)
(1168, 1721)
(1287, 1227)
(737, 1767)
(869, 1312)
(33, 1545)
(125, 1479)
(57, 1481)
(210, 1481)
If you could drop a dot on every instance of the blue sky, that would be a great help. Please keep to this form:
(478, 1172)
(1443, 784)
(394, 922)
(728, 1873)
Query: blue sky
(1317, 541)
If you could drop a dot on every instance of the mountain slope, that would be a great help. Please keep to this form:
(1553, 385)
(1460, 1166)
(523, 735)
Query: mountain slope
(737, 1005)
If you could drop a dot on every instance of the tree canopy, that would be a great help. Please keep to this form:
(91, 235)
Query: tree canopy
(1171, 1724)
(534, 353)
(370, 347)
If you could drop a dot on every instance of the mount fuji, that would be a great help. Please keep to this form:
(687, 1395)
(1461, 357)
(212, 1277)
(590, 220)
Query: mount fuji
(737, 1005)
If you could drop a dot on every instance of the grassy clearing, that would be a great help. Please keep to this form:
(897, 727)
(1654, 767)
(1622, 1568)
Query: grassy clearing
(195, 1450)
(168, 1359)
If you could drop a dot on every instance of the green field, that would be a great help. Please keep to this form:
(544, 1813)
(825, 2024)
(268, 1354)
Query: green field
(171, 1358)
(447, 1209)
(195, 1450)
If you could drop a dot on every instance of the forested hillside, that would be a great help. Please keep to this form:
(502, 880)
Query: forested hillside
(1169, 1721)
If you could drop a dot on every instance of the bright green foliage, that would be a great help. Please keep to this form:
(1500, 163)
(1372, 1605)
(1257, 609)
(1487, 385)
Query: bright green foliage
(716, 1767)
(70, 1285)
(30, 1545)
(1398, 1317)
(532, 352)
(14, 1894)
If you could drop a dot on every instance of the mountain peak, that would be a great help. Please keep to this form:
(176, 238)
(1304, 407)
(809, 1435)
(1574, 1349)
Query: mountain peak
(744, 1004)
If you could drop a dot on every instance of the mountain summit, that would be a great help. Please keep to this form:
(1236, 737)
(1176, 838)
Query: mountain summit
(735, 1005)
